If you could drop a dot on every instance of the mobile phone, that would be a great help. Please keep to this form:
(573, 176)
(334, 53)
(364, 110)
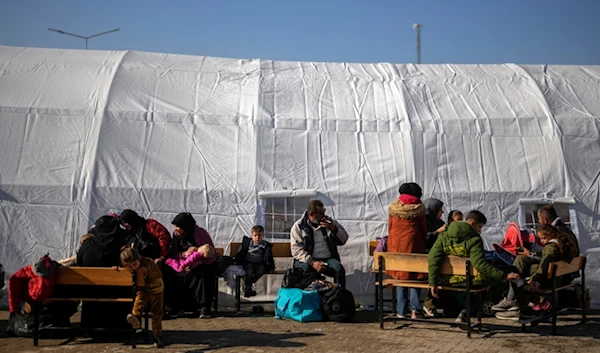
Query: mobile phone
(519, 249)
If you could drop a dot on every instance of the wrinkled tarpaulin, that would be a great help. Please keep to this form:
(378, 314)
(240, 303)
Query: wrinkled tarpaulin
(83, 133)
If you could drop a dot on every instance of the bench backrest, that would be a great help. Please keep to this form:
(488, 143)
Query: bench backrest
(99, 276)
(452, 265)
(564, 268)
(372, 246)
(279, 249)
(220, 251)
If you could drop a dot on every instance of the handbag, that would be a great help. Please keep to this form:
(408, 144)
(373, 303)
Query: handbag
(298, 305)
(146, 245)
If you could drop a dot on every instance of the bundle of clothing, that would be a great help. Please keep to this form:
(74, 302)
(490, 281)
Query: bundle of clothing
(32, 283)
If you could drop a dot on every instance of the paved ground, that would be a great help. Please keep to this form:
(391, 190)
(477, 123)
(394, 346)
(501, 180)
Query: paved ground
(232, 333)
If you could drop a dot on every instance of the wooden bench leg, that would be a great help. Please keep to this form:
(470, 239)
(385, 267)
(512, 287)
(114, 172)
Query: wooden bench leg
(583, 298)
(133, 338)
(36, 325)
(379, 290)
(479, 310)
(238, 288)
(146, 314)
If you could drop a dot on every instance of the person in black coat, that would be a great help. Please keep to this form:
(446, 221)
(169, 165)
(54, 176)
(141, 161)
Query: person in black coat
(433, 219)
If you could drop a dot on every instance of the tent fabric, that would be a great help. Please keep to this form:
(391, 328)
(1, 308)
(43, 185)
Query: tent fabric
(84, 133)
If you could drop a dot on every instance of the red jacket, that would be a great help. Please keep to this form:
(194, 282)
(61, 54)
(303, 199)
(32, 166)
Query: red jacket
(161, 234)
(407, 234)
(25, 285)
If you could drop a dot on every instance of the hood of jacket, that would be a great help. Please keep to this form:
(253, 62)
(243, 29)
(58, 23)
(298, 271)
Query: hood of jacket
(407, 211)
(460, 231)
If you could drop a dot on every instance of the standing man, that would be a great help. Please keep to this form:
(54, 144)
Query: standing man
(314, 239)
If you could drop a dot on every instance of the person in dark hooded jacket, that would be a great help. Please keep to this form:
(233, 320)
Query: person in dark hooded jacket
(192, 288)
(104, 247)
(433, 219)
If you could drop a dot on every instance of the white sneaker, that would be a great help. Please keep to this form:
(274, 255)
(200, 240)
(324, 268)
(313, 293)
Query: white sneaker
(401, 316)
(508, 315)
(133, 321)
(506, 305)
(428, 312)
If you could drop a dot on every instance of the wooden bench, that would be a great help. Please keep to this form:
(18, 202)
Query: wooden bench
(280, 250)
(452, 265)
(96, 276)
(555, 272)
(372, 246)
(220, 252)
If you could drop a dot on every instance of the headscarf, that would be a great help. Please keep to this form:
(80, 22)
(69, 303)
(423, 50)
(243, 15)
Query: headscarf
(410, 193)
(432, 207)
(187, 223)
(131, 217)
(104, 247)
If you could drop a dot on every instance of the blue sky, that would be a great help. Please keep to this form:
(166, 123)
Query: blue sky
(454, 31)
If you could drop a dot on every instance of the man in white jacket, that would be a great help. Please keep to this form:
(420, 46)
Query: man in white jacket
(314, 239)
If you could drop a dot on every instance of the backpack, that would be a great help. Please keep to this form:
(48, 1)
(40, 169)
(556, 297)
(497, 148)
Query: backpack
(338, 304)
(145, 244)
(298, 305)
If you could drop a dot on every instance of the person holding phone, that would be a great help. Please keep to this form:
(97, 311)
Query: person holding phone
(314, 239)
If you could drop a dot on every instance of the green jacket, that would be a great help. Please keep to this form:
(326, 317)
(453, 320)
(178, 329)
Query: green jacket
(460, 239)
(550, 253)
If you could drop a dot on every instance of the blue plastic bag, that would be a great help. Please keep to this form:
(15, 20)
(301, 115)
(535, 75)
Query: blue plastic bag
(299, 305)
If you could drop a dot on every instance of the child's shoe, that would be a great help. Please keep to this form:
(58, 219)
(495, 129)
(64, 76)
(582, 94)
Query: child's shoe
(134, 321)
(428, 312)
(205, 313)
(401, 316)
(416, 314)
(158, 342)
(462, 317)
(543, 306)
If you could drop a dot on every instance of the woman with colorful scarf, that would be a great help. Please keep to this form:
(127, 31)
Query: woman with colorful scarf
(407, 234)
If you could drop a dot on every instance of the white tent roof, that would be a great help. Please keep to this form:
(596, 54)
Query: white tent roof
(84, 133)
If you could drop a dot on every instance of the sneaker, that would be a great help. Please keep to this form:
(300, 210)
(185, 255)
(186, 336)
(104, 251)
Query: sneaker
(158, 342)
(205, 313)
(543, 306)
(401, 316)
(428, 312)
(462, 317)
(416, 314)
(506, 305)
(134, 321)
(508, 315)
(248, 292)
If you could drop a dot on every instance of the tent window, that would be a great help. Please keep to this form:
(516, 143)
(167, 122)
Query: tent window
(279, 214)
(528, 214)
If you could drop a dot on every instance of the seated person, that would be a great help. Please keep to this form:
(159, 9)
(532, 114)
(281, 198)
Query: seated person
(554, 249)
(256, 256)
(72, 261)
(314, 239)
(189, 260)
(463, 239)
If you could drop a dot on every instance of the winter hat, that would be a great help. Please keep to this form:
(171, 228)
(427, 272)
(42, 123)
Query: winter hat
(411, 189)
(44, 267)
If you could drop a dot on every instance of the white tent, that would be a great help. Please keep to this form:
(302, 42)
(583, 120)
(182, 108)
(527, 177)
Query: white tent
(239, 142)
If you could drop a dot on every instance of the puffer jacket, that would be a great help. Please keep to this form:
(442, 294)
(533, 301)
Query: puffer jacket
(460, 239)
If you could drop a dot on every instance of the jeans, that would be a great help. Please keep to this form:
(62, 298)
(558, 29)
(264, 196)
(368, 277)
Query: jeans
(253, 273)
(415, 300)
(334, 269)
